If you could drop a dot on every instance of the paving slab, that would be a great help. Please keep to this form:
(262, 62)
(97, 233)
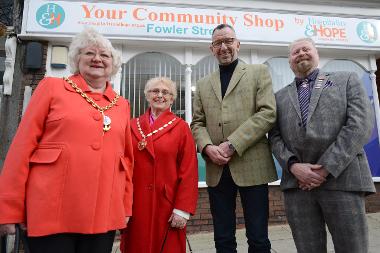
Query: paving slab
(281, 239)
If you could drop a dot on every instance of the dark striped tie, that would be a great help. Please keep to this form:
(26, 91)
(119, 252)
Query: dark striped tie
(304, 99)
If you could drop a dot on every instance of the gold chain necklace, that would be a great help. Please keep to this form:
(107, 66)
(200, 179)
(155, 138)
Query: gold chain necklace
(106, 119)
(142, 144)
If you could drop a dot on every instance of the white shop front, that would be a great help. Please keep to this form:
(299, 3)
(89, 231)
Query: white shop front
(172, 39)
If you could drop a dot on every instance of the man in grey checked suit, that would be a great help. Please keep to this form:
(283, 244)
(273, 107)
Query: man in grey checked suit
(323, 122)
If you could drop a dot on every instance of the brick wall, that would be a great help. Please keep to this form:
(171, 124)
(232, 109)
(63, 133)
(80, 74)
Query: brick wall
(11, 106)
(32, 78)
(373, 201)
(202, 220)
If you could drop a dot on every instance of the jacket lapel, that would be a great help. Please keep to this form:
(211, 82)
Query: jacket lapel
(164, 123)
(109, 93)
(216, 85)
(79, 81)
(237, 75)
(315, 95)
(292, 92)
(165, 118)
(145, 126)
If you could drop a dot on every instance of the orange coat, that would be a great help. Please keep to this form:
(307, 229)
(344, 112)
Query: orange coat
(165, 177)
(62, 173)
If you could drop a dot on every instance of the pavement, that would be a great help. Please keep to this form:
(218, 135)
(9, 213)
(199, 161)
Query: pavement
(280, 237)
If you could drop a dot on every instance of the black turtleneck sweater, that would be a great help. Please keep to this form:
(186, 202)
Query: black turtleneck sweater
(226, 72)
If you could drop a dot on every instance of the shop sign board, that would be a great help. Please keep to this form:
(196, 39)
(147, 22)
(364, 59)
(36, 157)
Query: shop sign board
(124, 20)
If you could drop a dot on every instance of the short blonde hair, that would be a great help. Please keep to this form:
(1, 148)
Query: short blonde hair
(91, 37)
(307, 39)
(164, 80)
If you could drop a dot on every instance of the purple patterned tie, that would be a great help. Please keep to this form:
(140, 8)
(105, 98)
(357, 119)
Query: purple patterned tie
(304, 99)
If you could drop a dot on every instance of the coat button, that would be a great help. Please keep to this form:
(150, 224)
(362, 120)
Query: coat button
(95, 146)
(150, 187)
(299, 124)
(220, 124)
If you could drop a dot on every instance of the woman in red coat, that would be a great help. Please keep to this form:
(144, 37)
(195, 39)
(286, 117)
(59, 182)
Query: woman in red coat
(165, 175)
(68, 172)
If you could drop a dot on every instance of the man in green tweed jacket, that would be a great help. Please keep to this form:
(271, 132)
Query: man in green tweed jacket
(234, 108)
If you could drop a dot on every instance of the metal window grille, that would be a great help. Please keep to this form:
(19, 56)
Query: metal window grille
(204, 67)
(145, 66)
(280, 72)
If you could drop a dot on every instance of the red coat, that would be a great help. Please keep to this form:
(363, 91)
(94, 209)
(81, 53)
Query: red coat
(165, 177)
(62, 174)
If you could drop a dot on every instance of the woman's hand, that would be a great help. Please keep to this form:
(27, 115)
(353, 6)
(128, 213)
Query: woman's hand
(177, 221)
(7, 229)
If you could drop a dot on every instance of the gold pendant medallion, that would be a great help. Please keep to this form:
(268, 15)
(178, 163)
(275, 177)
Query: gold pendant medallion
(106, 123)
(142, 144)
(106, 119)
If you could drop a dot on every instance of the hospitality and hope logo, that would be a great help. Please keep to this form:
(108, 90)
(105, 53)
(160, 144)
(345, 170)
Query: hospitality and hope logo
(50, 15)
(367, 32)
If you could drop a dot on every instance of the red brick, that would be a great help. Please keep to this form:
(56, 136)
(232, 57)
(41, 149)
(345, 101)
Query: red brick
(202, 221)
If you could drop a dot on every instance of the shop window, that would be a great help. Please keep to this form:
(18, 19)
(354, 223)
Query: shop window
(347, 65)
(281, 75)
(372, 148)
(204, 67)
(344, 65)
(145, 66)
(280, 72)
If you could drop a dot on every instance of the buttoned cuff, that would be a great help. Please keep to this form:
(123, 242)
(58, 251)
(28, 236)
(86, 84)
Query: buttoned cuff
(181, 213)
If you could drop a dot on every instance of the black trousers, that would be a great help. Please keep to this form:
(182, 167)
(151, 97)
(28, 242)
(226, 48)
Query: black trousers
(72, 243)
(255, 204)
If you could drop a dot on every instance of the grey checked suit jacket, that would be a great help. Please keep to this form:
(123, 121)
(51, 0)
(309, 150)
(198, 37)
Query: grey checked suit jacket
(339, 123)
(244, 116)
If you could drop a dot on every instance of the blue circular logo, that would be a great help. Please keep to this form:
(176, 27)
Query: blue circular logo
(367, 32)
(50, 15)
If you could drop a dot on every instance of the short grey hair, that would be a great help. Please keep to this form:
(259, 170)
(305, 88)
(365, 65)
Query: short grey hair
(307, 39)
(90, 37)
(164, 80)
(221, 27)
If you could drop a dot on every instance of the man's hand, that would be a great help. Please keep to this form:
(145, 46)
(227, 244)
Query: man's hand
(320, 171)
(7, 229)
(307, 175)
(225, 146)
(177, 221)
(216, 154)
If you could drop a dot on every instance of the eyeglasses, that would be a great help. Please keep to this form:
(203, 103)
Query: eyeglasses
(102, 55)
(164, 93)
(227, 42)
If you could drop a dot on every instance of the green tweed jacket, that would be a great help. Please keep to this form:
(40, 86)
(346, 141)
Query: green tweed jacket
(244, 116)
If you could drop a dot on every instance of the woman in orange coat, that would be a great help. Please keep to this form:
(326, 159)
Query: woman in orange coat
(68, 172)
(165, 176)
